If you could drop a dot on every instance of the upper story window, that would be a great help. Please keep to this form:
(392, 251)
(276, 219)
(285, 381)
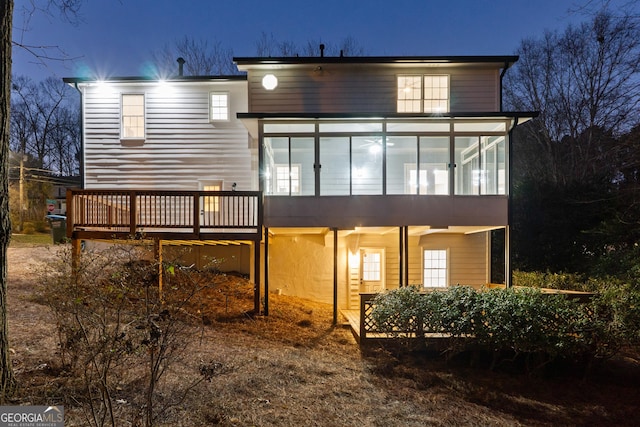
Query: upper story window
(132, 120)
(219, 106)
(423, 93)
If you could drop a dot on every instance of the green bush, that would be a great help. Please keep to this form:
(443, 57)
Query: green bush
(517, 320)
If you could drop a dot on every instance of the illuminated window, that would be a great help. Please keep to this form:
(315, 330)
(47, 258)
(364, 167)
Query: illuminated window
(132, 120)
(435, 268)
(409, 94)
(212, 203)
(219, 106)
(423, 94)
(287, 179)
(371, 266)
(436, 94)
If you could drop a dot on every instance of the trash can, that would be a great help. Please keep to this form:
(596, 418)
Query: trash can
(58, 225)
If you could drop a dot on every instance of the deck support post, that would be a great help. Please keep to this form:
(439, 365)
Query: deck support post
(400, 256)
(256, 276)
(157, 255)
(335, 276)
(76, 249)
(405, 241)
(266, 275)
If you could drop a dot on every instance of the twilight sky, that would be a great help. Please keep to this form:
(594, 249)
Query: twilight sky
(116, 37)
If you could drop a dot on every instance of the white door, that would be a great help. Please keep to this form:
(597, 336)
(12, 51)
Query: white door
(371, 270)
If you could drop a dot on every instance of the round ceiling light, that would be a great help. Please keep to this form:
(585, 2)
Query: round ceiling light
(269, 82)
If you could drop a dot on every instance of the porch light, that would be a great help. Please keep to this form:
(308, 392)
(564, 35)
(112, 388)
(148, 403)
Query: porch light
(269, 82)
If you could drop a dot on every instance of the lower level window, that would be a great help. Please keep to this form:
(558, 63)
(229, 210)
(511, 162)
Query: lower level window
(435, 268)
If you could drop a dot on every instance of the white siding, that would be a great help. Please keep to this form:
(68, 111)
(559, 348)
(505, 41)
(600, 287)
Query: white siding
(181, 146)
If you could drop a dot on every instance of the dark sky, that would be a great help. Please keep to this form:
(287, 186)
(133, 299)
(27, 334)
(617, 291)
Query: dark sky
(116, 37)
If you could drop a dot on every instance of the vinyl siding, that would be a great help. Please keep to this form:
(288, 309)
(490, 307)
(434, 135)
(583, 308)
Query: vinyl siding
(181, 146)
(370, 89)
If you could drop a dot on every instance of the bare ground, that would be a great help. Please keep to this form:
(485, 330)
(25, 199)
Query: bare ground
(293, 369)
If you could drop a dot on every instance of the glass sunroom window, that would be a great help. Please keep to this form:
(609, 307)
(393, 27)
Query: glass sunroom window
(366, 165)
(289, 166)
(402, 156)
(480, 165)
(335, 159)
(434, 160)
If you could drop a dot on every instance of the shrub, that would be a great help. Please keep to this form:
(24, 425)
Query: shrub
(516, 321)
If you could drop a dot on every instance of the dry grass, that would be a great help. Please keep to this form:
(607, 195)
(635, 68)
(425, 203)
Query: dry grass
(293, 368)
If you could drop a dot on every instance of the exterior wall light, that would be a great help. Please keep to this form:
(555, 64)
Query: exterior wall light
(269, 82)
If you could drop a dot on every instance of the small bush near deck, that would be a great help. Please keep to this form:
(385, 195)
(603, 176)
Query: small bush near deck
(517, 321)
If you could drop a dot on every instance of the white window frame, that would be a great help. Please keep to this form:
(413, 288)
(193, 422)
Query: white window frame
(124, 118)
(441, 281)
(293, 183)
(219, 111)
(415, 96)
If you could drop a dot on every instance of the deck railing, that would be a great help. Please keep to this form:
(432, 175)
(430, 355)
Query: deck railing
(188, 215)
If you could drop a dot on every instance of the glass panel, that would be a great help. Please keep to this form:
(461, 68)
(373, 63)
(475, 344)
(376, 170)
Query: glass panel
(366, 173)
(402, 156)
(418, 127)
(468, 175)
(276, 165)
(493, 165)
(334, 173)
(434, 162)
(289, 128)
(409, 94)
(480, 126)
(371, 266)
(436, 93)
(351, 127)
(502, 165)
(302, 159)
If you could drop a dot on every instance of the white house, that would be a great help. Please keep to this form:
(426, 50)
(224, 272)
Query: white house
(323, 177)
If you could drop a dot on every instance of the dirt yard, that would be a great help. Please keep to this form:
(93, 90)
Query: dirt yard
(293, 368)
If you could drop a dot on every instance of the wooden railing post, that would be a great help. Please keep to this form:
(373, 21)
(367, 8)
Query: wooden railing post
(363, 314)
(133, 213)
(70, 213)
(196, 214)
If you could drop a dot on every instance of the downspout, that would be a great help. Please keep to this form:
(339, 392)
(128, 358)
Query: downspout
(504, 71)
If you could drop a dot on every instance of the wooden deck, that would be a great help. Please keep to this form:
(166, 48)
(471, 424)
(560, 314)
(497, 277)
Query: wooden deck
(166, 215)
(353, 318)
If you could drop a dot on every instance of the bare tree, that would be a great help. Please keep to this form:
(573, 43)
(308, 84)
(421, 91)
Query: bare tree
(7, 379)
(267, 45)
(44, 123)
(585, 84)
(68, 9)
(202, 58)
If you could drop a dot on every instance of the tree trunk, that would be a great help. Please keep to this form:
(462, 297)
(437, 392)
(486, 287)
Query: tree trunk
(7, 380)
